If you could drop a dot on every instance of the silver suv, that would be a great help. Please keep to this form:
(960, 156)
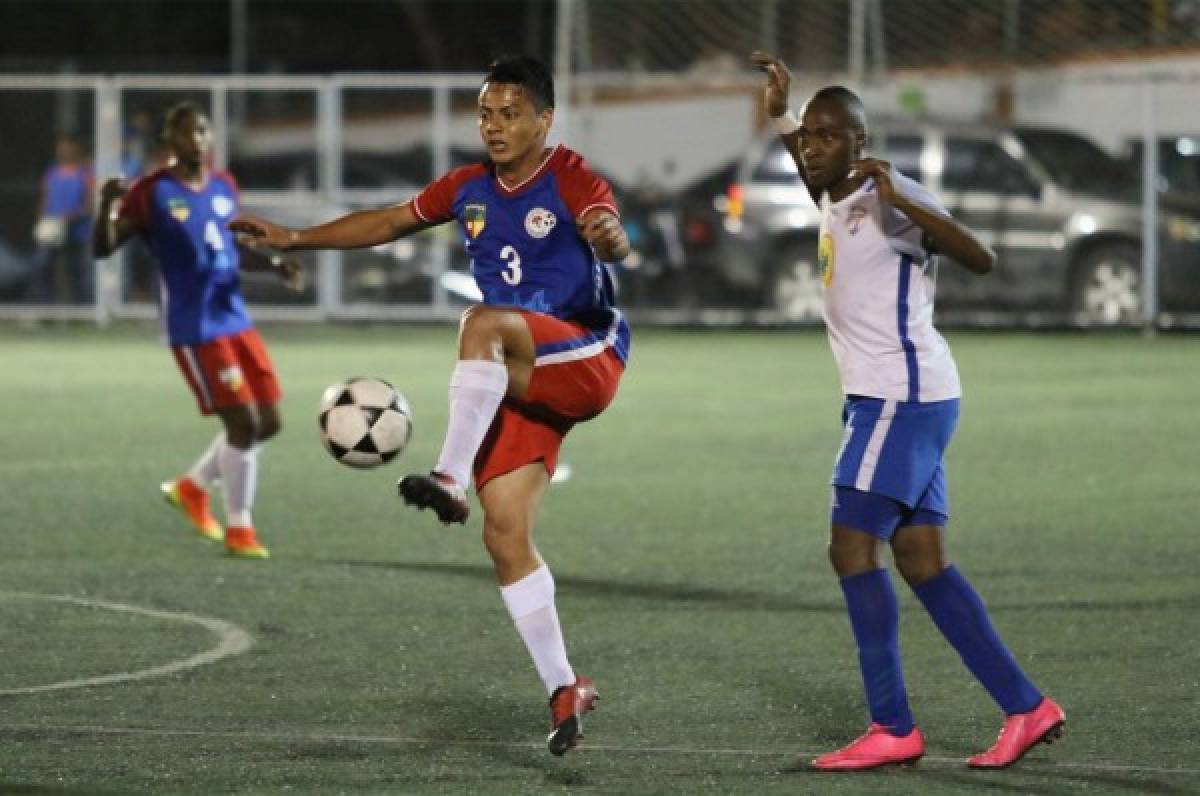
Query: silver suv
(1064, 217)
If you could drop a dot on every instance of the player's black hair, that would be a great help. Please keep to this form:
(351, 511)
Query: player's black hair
(527, 72)
(177, 113)
(855, 111)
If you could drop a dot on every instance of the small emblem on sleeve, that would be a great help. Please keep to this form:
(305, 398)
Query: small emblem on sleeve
(474, 219)
(539, 221)
(179, 210)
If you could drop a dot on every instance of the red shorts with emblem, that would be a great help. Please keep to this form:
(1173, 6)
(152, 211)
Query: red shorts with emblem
(561, 394)
(229, 371)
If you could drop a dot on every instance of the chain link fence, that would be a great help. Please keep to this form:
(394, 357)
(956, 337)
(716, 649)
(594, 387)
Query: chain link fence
(1064, 131)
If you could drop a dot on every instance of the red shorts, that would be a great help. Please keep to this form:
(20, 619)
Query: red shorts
(561, 394)
(229, 371)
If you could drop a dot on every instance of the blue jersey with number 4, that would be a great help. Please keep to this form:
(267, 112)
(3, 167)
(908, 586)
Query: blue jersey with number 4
(188, 233)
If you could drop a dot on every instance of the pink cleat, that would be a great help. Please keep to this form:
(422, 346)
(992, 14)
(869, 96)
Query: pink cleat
(1020, 733)
(876, 748)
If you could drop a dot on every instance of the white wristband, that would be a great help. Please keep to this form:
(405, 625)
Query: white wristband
(786, 124)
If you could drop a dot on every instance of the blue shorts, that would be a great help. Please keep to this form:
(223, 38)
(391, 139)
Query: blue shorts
(888, 473)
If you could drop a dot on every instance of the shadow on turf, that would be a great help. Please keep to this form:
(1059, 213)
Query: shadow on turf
(734, 599)
(740, 599)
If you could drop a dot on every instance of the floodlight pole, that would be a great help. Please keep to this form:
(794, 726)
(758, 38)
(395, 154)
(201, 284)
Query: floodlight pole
(108, 275)
(562, 68)
(857, 46)
(239, 46)
(1149, 208)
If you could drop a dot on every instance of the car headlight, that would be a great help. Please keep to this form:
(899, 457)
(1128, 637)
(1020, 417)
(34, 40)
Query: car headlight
(1183, 229)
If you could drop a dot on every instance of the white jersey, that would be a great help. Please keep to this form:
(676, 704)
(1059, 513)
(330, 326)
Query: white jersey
(879, 298)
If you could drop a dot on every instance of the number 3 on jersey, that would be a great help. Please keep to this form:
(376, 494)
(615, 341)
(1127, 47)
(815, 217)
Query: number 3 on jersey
(512, 259)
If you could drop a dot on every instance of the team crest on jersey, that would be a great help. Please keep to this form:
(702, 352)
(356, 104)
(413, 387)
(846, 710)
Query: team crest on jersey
(222, 206)
(855, 218)
(826, 255)
(539, 221)
(474, 219)
(232, 378)
(179, 209)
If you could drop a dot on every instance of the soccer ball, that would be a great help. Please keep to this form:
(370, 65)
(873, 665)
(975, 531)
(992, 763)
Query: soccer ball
(364, 422)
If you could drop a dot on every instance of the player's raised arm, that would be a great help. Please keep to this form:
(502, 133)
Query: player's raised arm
(111, 229)
(604, 232)
(775, 103)
(945, 233)
(352, 231)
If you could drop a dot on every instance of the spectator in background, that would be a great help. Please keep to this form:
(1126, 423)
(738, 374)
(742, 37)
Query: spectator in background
(135, 137)
(62, 266)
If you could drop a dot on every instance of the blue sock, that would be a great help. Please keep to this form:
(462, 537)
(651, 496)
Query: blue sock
(963, 619)
(875, 617)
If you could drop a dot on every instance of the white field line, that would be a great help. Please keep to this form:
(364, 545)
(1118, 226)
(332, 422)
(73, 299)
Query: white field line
(52, 465)
(402, 740)
(231, 640)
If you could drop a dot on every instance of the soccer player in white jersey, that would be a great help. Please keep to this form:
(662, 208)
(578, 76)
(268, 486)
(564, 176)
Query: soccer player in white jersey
(879, 231)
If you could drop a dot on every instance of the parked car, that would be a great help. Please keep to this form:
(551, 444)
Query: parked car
(1064, 217)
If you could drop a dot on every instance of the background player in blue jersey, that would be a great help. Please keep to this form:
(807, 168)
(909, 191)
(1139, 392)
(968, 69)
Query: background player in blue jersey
(183, 211)
(62, 269)
(544, 350)
(878, 232)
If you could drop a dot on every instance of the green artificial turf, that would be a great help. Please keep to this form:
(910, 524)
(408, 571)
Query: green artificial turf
(689, 551)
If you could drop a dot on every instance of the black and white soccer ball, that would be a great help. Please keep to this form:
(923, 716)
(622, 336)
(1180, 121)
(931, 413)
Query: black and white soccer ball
(364, 422)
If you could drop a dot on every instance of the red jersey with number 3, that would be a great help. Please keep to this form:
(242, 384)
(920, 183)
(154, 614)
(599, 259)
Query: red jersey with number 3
(524, 246)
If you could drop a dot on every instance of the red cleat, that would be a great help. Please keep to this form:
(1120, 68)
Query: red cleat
(1020, 733)
(192, 503)
(567, 706)
(876, 748)
(243, 543)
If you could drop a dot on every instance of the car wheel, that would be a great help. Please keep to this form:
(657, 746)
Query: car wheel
(796, 292)
(1107, 287)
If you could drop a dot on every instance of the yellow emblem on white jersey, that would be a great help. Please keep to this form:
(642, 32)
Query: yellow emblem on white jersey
(826, 254)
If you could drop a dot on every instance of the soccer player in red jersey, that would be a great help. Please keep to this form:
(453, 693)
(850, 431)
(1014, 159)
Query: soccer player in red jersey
(182, 211)
(543, 351)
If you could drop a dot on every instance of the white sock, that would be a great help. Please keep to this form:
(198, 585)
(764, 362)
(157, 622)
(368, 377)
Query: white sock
(207, 469)
(476, 389)
(530, 603)
(239, 472)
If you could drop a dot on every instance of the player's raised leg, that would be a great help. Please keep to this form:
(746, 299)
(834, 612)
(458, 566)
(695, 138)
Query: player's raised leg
(495, 357)
(892, 737)
(961, 616)
(189, 493)
(510, 503)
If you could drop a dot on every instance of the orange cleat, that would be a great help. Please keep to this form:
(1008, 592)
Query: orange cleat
(877, 747)
(243, 543)
(1020, 733)
(192, 502)
(567, 706)
(438, 492)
